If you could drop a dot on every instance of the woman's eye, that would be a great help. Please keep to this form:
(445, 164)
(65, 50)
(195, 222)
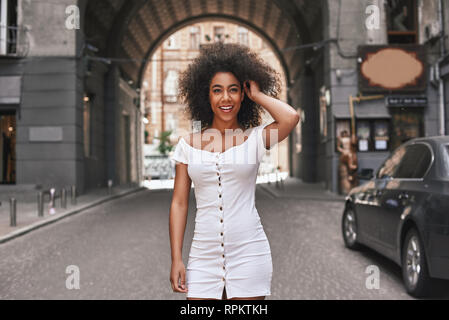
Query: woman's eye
(216, 90)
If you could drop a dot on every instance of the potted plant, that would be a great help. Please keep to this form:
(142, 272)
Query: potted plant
(164, 142)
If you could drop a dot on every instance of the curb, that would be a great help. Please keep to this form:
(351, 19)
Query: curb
(40, 224)
(312, 198)
(267, 190)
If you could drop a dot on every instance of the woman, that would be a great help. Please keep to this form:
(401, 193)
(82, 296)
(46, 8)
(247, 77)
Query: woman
(230, 258)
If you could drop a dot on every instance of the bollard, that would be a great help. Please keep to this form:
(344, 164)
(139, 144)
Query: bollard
(63, 198)
(73, 189)
(109, 186)
(277, 180)
(52, 201)
(40, 204)
(12, 206)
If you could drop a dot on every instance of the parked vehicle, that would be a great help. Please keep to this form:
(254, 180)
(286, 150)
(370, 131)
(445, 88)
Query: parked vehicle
(403, 213)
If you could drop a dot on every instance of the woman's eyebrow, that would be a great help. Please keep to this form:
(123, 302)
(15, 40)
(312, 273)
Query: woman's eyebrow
(219, 85)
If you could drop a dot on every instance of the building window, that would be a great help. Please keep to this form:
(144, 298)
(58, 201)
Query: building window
(87, 125)
(8, 27)
(195, 38)
(373, 135)
(243, 35)
(364, 140)
(219, 34)
(171, 86)
(402, 21)
(170, 43)
(154, 110)
(264, 45)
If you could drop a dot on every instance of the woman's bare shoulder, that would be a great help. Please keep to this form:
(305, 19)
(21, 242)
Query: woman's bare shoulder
(188, 138)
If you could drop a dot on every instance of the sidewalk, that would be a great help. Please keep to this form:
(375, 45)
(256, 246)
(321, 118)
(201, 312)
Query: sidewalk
(27, 211)
(295, 188)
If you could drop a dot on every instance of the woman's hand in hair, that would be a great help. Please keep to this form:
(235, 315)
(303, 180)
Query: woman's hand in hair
(252, 90)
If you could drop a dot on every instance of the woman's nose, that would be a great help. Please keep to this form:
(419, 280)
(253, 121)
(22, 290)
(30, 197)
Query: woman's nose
(225, 95)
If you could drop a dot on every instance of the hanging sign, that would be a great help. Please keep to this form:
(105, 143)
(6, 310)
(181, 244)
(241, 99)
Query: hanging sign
(392, 68)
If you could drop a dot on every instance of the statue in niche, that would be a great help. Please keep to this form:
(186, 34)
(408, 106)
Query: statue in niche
(347, 166)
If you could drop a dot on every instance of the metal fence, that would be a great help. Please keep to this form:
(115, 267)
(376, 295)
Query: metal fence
(158, 167)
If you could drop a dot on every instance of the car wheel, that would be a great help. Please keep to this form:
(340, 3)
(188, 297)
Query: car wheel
(415, 273)
(349, 229)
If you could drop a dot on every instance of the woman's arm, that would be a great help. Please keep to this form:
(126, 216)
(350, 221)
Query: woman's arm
(285, 117)
(177, 224)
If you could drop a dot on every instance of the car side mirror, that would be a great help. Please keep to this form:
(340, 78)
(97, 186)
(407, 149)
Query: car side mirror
(366, 174)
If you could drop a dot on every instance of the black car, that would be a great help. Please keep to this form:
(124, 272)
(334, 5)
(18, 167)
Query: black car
(403, 213)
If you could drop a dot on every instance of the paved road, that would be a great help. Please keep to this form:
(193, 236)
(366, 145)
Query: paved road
(122, 251)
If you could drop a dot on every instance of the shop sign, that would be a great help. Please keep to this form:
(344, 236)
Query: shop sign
(406, 101)
(392, 68)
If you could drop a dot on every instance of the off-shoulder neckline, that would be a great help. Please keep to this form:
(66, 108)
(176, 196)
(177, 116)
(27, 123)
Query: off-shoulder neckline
(220, 152)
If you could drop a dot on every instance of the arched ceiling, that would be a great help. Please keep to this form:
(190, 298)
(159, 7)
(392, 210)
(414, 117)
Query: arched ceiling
(132, 29)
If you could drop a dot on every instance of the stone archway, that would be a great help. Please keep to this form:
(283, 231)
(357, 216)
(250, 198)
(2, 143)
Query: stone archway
(127, 32)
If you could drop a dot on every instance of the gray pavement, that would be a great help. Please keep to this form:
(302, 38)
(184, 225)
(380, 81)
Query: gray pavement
(27, 218)
(292, 187)
(122, 251)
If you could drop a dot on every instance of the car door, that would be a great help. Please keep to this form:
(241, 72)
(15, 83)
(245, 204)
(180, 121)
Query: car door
(402, 192)
(363, 205)
(369, 208)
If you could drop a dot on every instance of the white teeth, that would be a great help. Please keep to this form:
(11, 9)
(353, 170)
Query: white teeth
(226, 108)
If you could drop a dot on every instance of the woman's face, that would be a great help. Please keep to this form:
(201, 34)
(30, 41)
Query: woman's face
(225, 95)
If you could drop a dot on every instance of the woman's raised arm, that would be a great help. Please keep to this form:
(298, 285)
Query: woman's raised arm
(285, 116)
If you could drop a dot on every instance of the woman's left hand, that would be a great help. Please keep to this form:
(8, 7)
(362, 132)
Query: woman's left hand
(253, 91)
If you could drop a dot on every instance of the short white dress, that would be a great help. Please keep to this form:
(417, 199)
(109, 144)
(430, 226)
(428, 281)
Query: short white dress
(229, 247)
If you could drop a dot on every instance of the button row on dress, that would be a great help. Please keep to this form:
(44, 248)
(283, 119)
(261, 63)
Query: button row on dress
(221, 210)
(219, 192)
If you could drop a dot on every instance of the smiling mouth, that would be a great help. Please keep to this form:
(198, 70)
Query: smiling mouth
(226, 108)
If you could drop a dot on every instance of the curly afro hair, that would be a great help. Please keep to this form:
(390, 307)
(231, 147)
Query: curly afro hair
(246, 65)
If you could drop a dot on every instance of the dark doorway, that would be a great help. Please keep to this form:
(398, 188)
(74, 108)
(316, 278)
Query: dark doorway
(7, 148)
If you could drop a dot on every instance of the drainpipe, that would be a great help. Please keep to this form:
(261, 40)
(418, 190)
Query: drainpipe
(441, 80)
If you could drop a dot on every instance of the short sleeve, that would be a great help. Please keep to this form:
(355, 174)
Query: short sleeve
(179, 155)
(261, 150)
